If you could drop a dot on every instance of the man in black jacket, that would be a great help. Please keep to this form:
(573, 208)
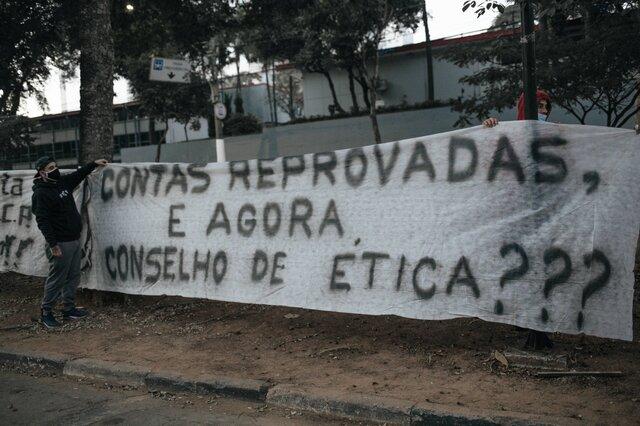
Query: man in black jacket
(59, 221)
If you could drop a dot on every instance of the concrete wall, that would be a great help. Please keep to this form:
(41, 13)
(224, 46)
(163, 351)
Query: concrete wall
(255, 101)
(302, 138)
(319, 136)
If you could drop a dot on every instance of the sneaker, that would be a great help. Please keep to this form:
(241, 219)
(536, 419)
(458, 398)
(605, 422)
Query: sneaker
(74, 313)
(48, 320)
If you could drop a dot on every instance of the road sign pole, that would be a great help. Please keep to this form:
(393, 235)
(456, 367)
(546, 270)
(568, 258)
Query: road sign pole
(528, 61)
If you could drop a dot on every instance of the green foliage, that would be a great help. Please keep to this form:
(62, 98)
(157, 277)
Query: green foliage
(241, 124)
(479, 7)
(15, 133)
(381, 110)
(289, 96)
(159, 28)
(32, 36)
(588, 61)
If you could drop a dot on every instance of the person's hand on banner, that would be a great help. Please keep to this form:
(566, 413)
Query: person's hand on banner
(101, 162)
(56, 251)
(490, 122)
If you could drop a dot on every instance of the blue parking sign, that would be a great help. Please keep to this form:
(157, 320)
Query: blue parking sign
(158, 64)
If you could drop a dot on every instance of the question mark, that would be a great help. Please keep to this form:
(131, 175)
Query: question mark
(550, 256)
(597, 283)
(511, 274)
(592, 179)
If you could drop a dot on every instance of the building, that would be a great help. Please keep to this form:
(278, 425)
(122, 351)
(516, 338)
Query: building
(58, 135)
(403, 77)
(403, 74)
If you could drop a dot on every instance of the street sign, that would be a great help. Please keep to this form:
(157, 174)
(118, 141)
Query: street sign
(220, 110)
(169, 70)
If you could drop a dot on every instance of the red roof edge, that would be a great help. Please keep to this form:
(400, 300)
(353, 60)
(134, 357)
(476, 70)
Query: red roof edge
(442, 42)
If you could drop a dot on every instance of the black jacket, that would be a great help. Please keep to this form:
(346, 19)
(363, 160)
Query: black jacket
(55, 210)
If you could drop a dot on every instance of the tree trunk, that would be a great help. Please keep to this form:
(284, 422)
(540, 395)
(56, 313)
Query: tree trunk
(352, 89)
(15, 103)
(374, 124)
(429, 54)
(292, 112)
(332, 88)
(269, 100)
(161, 140)
(238, 80)
(152, 131)
(373, 93)
(275, 103)
(365, 91)
(96, 80)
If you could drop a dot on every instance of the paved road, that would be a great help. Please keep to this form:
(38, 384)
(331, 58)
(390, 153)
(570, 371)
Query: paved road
(59, 400)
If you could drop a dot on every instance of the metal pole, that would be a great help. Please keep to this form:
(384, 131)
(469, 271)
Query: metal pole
(429, 54)
(215, 97)
(528, 61)
(638, 113)
(273, 81)
(291, 94)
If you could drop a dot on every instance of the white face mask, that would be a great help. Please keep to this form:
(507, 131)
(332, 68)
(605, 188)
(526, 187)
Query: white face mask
(542, 117)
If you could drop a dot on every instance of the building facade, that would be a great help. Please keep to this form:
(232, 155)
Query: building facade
(58, 136)
(403, 72)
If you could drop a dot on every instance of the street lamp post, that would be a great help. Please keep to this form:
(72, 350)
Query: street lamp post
(528, 61)
(216, 100)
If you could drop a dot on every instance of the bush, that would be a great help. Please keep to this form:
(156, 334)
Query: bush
(241, 124)
(361, 112)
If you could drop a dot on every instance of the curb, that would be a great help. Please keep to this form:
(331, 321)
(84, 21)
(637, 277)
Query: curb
(354, 407)
(319, 401)
(390, 410)
(105, 370)
(44, 361)
(247, 389)
(430, 414)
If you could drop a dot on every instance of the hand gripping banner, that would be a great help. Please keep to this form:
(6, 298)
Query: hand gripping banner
(528, 223)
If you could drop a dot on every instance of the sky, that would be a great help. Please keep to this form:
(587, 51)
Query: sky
(447, 20)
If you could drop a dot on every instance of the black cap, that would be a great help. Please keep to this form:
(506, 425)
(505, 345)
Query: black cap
(43, 161)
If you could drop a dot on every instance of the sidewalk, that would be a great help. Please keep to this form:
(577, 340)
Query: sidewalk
(442, 364)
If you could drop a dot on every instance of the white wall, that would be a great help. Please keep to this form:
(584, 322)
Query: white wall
(406, 76)
(176, 131)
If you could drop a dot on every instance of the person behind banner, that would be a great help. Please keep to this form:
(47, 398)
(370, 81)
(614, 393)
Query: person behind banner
(544, 109)
(58, 219)
(536, 339)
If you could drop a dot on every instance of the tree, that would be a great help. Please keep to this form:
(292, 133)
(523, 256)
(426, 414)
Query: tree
(288, 93)
(358, 27)
(428, 54)
(290, 31)
(96, 79)
(15, 134)
(155, 28)
(32, 39)
(588, 59)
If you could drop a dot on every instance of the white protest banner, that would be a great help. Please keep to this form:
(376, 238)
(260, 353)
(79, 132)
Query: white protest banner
(528, 223)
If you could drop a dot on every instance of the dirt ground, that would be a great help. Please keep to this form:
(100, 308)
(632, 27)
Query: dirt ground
(442, 362)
